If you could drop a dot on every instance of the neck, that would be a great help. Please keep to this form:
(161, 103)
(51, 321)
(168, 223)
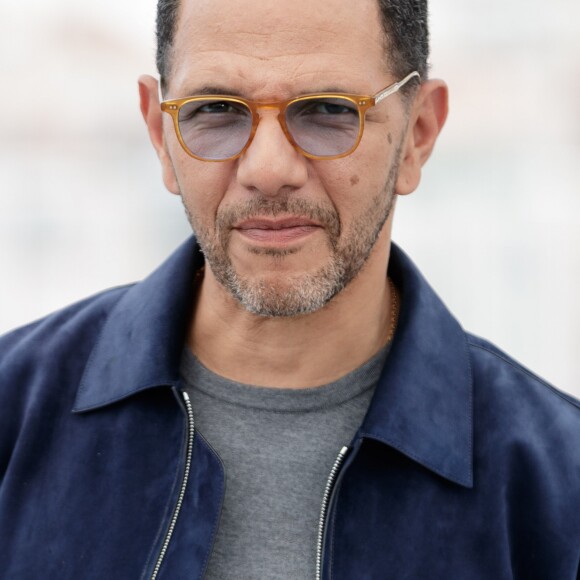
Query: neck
(295, 352)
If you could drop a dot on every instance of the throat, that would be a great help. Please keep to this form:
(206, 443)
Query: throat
(292, 352)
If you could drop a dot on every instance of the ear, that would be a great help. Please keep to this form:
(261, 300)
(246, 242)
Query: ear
(426, 119)
(151, 111)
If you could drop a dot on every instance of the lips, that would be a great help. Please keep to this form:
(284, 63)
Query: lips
(277, 224)
(276, 230)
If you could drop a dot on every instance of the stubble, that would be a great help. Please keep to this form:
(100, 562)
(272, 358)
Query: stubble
(306, 292)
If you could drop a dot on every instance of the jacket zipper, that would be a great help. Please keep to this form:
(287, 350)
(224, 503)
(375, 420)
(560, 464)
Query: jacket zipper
(189, 452)
(324, 509)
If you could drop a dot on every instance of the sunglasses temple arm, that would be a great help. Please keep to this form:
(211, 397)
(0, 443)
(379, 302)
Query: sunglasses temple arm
(160, 91)
(394, 88)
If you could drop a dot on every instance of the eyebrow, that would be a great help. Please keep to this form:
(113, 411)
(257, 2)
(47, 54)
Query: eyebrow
(212, 90)
(223, 90)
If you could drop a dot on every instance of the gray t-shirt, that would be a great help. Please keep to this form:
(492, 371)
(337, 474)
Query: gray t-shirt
(278, 447)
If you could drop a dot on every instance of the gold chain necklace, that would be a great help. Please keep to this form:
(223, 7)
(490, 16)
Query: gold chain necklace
(395, 307)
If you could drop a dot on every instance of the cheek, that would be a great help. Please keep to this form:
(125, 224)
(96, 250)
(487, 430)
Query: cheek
(354, 185)
(203, 186)
(361, 178)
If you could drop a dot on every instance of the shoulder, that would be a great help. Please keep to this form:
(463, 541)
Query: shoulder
(500, 370)
(48, 357)
(520, 417)
(76, 324)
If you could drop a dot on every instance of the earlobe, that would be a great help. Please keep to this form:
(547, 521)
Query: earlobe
(151, 111)
(426, 120)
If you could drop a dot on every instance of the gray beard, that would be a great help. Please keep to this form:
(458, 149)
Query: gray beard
(305, 293)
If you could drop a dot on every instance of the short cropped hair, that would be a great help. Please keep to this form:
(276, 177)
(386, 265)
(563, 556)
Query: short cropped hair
(405, 24)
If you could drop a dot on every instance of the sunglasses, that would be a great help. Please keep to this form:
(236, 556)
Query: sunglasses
(320, 126)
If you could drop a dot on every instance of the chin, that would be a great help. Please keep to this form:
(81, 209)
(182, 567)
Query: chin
(286, 295)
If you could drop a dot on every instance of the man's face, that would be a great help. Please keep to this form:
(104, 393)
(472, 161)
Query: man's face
(284, 233)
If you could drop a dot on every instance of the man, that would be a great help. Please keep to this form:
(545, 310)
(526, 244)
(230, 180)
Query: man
(285, 397)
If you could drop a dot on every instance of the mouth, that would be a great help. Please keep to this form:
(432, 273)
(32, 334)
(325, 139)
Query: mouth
(277, 231)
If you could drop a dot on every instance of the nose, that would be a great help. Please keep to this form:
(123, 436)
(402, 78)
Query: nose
(270, 164)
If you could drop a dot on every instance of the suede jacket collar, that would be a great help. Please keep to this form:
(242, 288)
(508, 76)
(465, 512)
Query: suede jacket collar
(423, 402)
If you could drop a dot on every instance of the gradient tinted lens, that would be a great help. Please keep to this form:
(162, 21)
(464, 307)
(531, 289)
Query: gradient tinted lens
(322, 126)
(215, 129)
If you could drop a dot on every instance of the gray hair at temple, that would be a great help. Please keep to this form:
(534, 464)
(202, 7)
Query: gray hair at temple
(405, 23)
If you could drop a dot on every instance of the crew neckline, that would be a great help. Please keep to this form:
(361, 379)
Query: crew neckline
(198, 377)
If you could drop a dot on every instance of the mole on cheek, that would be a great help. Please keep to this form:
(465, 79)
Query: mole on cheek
(354, 180)
(390, 138)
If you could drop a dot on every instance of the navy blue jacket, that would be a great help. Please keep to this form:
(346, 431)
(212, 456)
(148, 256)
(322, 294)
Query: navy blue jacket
(466, 467)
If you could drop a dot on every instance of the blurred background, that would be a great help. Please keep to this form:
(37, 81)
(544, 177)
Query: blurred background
(495, 225)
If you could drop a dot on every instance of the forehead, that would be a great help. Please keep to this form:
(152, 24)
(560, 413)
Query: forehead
(274, 49)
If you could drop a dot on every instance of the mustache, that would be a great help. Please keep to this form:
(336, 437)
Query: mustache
(260, 207)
